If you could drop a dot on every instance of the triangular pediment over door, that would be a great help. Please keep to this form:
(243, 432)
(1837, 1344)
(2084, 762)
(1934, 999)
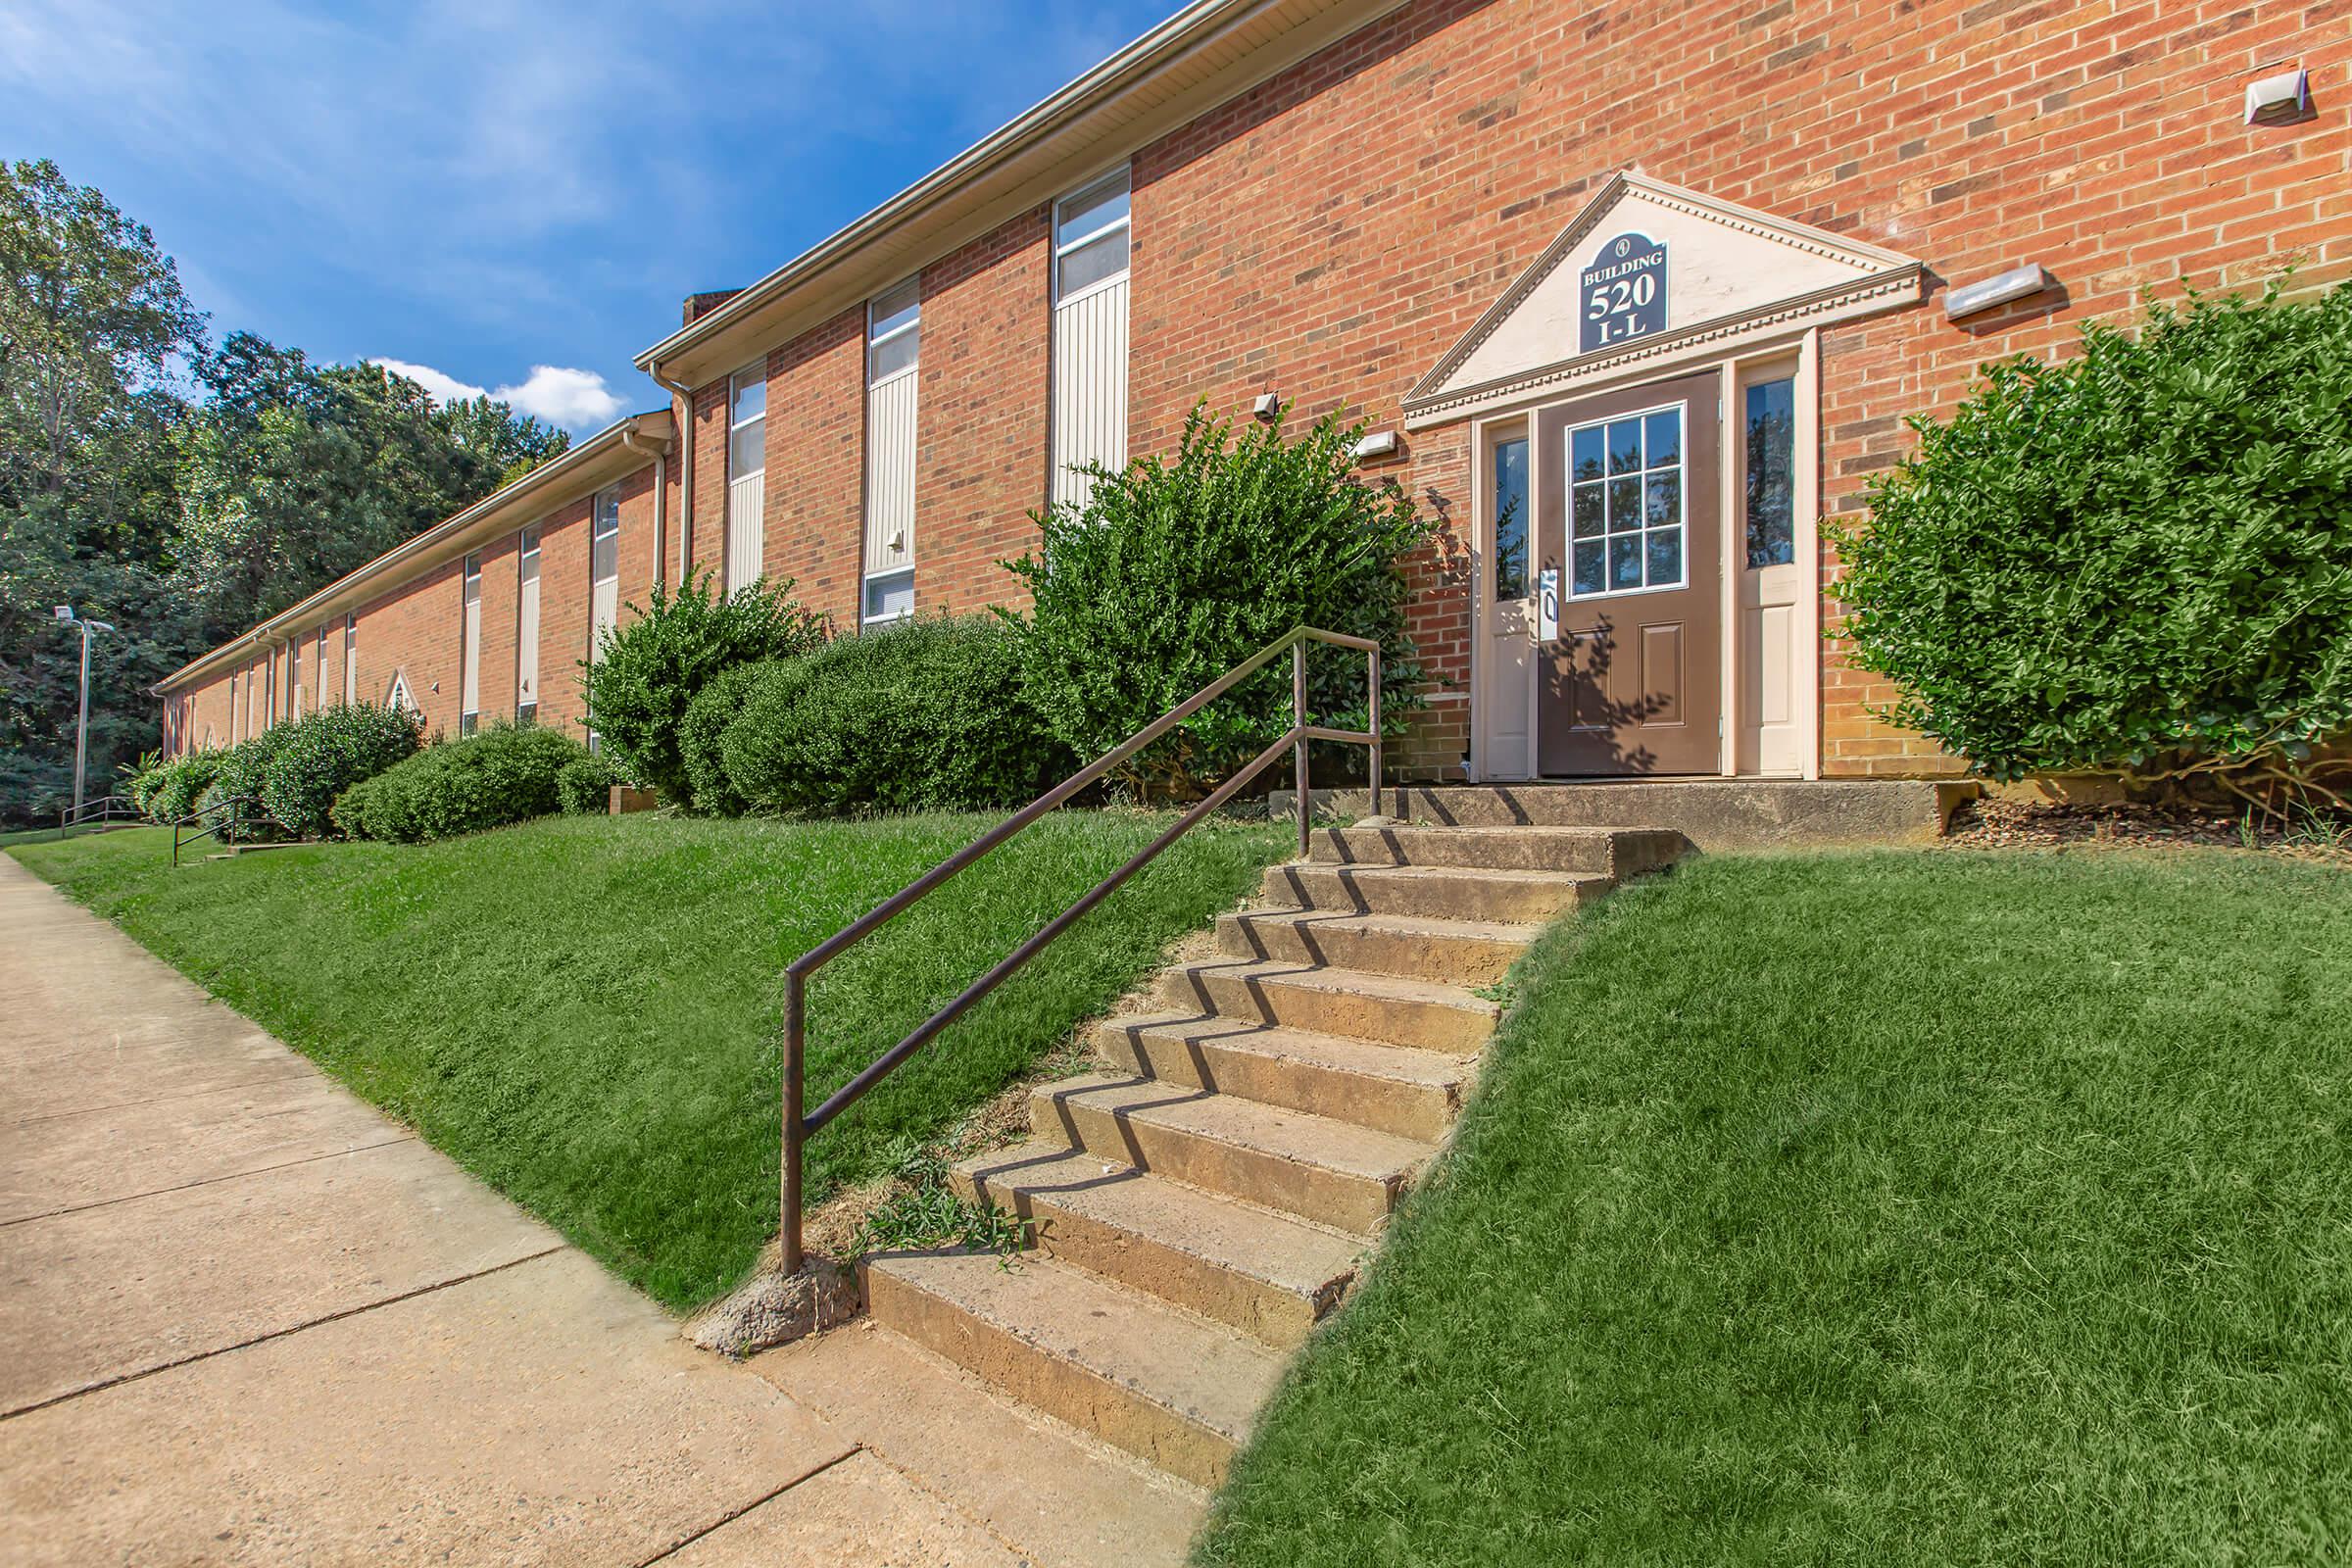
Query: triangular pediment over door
(1652, 276)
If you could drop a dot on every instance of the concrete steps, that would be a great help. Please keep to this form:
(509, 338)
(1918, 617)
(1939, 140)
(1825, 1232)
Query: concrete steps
(1424, 1013)
(1469, 952)
(1392, 1088)
(1607, 852)
(1269, 1275)
(1158, 1382)
(1331, 1172)
(1199, 1205)
(1433, 892)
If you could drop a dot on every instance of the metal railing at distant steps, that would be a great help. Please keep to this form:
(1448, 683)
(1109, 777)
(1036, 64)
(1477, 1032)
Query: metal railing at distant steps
(231, 814)
(106, 810)
(800, 1126)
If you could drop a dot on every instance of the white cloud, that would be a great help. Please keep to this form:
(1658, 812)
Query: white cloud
(448, 389)
(575, 400)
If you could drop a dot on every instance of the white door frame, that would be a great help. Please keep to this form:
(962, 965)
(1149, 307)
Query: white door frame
(1801, 352)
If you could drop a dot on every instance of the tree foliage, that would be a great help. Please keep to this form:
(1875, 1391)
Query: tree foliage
(2138, 560)
(1173, 571)
(176, 491)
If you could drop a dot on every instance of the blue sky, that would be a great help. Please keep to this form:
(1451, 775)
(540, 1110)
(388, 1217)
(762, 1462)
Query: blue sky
(514, 194)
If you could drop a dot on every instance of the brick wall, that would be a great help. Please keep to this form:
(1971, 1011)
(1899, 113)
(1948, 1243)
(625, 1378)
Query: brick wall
(416, 631)
(565, 567)
(815, 489)
(982, 449)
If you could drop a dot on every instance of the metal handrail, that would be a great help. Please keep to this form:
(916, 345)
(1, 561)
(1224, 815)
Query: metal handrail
(106, 807)
(800, 1126)
(234, 805)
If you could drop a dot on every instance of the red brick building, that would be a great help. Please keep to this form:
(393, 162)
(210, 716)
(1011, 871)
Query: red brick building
(1630, 296)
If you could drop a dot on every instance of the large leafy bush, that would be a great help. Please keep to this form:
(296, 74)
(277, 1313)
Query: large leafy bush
(584, 785)
(169, 790)
(502, 775)
(701, 734)
(328, 752)
(923, 717)
(2138, 560)
(243, 772)
(654, 666)
(1174, 572)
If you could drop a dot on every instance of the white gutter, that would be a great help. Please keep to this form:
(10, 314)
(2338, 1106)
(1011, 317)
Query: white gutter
(615, 435)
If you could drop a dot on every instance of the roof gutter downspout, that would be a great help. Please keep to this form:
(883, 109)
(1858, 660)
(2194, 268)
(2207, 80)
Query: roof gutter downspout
(684, 423)
(630, 439)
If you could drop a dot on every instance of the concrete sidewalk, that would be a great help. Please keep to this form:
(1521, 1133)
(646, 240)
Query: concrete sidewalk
(244, 1318)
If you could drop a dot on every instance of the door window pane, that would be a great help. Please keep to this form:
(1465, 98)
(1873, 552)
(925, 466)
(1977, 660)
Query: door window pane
(1591, 510)
(1510, 518)
(1771, 418)
(1633, 519)
(1586, 447)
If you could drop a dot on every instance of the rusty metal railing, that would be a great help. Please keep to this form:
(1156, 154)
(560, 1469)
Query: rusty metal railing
(105, 810)
(236, 807)
(800, 1126)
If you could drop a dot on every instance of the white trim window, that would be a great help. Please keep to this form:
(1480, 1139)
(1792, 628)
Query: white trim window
(1093, 228)
(351, 653)
(604, 569)
(894, 335)
(1626, 517)
(747, 473)
(526, 627)
(1093, 244)
(469, 665)
(319, 674)
(294, 680)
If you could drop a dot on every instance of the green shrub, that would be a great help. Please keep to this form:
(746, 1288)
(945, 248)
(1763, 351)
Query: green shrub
(1173, 573)
(707, 718)
(584, 785)
(2135, 560)
(927, 716)
(654, 666)
(242, 771)
(502, 775)
(327, 753)
(169, 791)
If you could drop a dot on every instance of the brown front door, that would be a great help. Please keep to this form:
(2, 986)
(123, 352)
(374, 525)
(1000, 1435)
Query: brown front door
(1625, 508)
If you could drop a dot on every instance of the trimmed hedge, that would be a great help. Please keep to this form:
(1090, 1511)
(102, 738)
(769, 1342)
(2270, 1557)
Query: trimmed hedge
(928, 716)
(501, 775)
(584, 785)
(703, 732)
(327, 754)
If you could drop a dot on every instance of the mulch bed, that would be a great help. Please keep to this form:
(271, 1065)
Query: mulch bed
(1993, 825)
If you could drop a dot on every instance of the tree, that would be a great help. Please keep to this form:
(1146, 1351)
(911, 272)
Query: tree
(93, 331)
(292, 474)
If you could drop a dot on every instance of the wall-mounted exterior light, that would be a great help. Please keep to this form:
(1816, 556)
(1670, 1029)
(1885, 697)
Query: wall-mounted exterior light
(2019, 282)
(2279, 100)
(1379, 444)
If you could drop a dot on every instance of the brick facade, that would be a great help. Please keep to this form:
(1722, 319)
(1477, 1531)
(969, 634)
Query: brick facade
(1331, 232)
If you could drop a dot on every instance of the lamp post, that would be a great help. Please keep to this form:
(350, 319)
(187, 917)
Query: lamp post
(81, 728)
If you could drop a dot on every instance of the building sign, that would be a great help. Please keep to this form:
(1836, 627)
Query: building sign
(1624, 293)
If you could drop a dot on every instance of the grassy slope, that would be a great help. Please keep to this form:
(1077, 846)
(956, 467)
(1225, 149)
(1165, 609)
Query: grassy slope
(585, 1011)
(1892, 1210)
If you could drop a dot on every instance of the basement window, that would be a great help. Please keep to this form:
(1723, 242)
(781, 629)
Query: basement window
(890, 597)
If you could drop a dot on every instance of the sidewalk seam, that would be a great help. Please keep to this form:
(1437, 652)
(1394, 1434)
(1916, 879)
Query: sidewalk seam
(720, 1523)
(104, 1384)
(205, 1181)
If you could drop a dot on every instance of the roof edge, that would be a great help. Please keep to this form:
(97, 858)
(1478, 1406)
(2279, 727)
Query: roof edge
(418, 550)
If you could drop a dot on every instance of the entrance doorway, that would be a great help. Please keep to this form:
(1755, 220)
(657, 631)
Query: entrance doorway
(1629, 523)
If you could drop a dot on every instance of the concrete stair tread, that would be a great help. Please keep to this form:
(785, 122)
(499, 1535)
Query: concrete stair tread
(1373, 1058)
(1352, 982)
(1208, 1376)
(1401, 925)
(1273, 1248)
(1292, 1135)
(1454, 873)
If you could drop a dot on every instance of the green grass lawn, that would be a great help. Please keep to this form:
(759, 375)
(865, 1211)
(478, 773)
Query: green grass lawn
(586, 1012)
(1907, 1208)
